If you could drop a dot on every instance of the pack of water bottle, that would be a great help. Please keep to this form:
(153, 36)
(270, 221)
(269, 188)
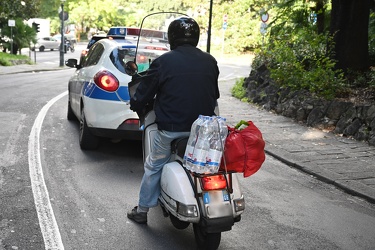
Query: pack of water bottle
(205, 146)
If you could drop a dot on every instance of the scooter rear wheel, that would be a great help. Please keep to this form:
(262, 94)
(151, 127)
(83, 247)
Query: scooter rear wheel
(206, 241)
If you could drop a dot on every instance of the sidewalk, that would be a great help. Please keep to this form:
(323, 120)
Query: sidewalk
(345, 163)
(348, 164)
(29, 68)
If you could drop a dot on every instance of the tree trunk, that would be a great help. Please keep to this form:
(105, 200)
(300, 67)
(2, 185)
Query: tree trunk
(349, 26)
(320, 14)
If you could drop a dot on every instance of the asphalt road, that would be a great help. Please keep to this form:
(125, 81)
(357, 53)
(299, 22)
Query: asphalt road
(49, 57)
(88, 193)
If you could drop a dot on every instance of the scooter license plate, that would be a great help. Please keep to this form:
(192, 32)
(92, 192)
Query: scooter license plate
(215, 196)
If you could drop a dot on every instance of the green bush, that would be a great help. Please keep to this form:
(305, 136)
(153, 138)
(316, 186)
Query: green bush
(8, 59)
(239, 91)
(303, 63)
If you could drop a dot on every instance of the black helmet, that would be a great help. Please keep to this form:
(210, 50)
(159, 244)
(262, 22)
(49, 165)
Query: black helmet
(183, 30)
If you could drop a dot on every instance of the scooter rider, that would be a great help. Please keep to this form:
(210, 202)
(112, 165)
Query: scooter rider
(185, 83)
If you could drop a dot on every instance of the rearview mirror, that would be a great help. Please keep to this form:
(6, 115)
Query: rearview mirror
(131, 68)
(73, 63)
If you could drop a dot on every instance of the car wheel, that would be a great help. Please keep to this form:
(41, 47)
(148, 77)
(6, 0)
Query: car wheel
(87, 141)
(71, 116)
(41, 49)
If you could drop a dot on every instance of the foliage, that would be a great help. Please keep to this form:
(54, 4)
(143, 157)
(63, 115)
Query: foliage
(303, 63)
(298, 53)
(371, 35)
(11, 9)
(9, 59)
(239, 90)
(19, 11)
(23, 35)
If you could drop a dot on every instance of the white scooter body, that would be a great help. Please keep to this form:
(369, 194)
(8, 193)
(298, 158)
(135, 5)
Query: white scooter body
(178, 190)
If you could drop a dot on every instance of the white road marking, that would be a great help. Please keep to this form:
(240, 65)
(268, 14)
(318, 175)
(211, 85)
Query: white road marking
(47, 220)
(227, 77)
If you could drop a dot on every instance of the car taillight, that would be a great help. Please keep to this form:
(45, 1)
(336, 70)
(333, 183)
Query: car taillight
(213, 182)
(132, 121)
(156, 48)
(141, 59)
(105, 80)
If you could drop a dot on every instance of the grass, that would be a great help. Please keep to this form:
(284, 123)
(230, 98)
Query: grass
(239, 91)
(7, 59)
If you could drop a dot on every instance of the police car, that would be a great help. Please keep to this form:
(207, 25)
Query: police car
(98, 94)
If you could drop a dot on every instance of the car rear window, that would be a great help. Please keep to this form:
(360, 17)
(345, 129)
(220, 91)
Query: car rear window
(119, 56)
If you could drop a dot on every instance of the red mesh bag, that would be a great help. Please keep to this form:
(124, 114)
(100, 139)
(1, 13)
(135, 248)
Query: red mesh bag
(244, 150)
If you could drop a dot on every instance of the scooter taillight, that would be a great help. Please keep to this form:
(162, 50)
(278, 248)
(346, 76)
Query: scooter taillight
(213, 182)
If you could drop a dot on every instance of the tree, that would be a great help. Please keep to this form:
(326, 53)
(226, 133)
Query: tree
(23, 34)
(24, 9)
(349, 27)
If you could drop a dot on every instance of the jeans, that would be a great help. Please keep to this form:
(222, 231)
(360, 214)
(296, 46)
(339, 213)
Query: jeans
(159, 156)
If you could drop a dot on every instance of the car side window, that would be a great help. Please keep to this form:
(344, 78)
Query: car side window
(94, 54)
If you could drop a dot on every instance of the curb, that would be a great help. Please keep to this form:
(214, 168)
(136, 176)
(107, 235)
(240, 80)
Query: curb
(351, 187)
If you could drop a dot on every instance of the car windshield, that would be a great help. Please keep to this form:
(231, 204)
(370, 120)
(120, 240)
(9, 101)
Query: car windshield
(119, 56)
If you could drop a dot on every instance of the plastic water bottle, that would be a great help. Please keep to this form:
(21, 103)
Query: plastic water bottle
(216, 149)
(187, 161)
(217, 143)
(223, 129)
(202, 146)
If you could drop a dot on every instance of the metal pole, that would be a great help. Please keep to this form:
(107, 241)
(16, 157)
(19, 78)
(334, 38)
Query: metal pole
(11, 36)
(62, 37)
(209, 28)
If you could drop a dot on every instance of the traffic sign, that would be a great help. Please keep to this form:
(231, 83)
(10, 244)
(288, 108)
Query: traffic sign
(263, 28)
(225, 18)
(11, 23)
(225, 25)
(264, 17)
(63, 16)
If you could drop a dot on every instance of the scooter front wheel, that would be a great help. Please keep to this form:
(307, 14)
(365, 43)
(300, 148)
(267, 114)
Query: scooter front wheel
(206, 241)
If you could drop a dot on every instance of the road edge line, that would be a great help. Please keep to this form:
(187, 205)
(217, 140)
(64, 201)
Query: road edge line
(47, 220)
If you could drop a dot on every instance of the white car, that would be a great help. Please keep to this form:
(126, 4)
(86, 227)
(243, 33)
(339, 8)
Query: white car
(98, 94)
(47, 42)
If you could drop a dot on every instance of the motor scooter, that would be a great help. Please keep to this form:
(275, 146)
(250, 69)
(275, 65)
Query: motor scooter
(212, 203)
(69, 46)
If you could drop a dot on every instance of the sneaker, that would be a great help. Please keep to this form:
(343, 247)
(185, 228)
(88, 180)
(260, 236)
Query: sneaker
(140, 218)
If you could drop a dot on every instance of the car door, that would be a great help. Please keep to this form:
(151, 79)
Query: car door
(47, 43)
(86, 74)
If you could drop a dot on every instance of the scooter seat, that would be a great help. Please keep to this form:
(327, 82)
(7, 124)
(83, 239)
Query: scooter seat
(178, 146)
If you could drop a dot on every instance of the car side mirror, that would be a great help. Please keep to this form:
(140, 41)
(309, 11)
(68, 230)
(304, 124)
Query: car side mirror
(131, 68)
(73, 63)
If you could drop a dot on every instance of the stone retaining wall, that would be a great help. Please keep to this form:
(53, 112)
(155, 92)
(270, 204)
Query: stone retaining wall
(344, 118)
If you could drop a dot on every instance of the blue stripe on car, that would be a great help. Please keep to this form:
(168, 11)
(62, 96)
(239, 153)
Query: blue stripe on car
(93, 91)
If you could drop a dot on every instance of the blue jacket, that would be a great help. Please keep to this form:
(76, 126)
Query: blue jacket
(185, 82)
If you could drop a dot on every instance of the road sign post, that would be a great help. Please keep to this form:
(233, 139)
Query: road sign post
(263, 25)
(225, 26)
(11, 24)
